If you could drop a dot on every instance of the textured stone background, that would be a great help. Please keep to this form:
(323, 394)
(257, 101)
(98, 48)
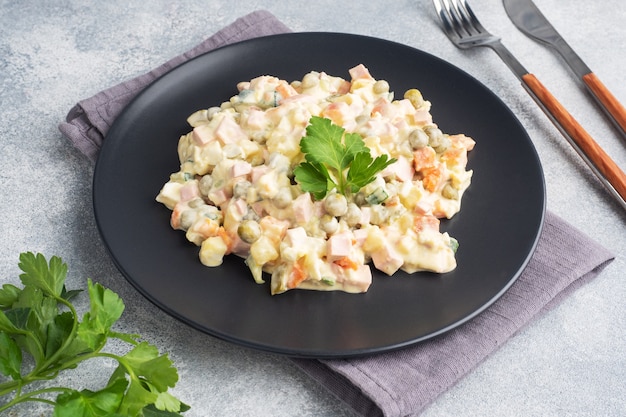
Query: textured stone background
(54, 53)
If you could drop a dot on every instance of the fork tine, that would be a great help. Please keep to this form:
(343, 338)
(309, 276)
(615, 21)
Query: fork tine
(461, 24)
(469, 16)
(459, 18)
(455, 19)
(450, 23)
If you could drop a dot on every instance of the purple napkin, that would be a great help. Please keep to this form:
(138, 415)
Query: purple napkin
(404, 382)
(564, 260)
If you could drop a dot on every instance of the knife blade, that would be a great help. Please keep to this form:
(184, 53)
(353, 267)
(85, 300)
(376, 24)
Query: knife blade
(528, 18)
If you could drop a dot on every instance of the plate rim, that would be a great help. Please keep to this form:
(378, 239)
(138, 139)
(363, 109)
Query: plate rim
(303, 353)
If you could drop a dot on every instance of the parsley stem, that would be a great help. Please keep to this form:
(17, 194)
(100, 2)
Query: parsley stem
(32, 396)
(122, 362)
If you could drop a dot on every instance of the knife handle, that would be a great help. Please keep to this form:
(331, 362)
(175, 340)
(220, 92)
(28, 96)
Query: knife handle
(598, 160)
(611, 105)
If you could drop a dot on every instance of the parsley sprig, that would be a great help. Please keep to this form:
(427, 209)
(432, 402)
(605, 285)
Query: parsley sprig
(335, 159)
(40, 321)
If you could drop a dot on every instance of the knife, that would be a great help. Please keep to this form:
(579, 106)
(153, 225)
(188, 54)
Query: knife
(529, 19)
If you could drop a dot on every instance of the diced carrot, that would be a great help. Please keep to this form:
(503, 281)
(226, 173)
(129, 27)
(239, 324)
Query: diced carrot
(298, 273)
(422, 223)
(336, 112)
(221, 232)
(455, 156)
(392, 201)
(464, 141)
(175, 217)
(432, 178)
(347, 263)
(209, 228)
(424, 158)
(286, 90)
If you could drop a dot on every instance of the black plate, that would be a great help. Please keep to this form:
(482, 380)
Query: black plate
(498, 226)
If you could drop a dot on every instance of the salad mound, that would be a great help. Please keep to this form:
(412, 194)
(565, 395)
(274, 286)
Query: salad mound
(310, 181)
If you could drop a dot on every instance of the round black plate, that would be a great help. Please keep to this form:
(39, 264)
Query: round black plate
(498, 226)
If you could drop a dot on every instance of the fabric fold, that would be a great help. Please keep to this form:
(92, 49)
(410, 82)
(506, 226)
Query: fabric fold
(403, 382)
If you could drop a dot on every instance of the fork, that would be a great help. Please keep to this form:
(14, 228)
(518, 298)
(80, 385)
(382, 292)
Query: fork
(465, 31)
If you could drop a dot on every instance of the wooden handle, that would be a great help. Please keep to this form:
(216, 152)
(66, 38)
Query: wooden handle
(603, 162)
(608, 100)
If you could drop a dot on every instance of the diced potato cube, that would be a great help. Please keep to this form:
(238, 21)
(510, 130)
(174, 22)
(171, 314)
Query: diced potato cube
(212, 251)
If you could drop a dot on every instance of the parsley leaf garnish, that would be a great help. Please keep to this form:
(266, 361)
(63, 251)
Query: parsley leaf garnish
(39, 321)
(335, 159)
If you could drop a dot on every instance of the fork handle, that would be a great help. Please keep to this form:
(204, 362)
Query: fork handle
(607, 100)
(598, 160)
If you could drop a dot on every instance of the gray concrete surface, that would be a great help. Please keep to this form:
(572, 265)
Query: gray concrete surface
(572, 362)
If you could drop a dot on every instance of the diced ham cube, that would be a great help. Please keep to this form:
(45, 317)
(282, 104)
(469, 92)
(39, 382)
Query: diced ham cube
(295, 235)
(256, 119)
(258, 171)
(422, 117)
(360, 71)
(359, 236)
(361, 278)
(401, 169)
(387, 259)
(303, 208)
(240, 168)
(339, 246)
(202, 135)
(238, 246)
(404, 107)
(258, 207)
(219, 196)
(240, 206)
(189, 191)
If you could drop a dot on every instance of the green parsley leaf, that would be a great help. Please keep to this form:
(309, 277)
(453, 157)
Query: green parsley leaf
(314, 178)
(9, 295)
(335, 159)
(37, 272)
(88, 403)
(106, 309)
(137, 397)
(39, 319)
(10, 357)
(7, 321)
(364, 169)
(144, 360)
(166, 402)
(59, 333)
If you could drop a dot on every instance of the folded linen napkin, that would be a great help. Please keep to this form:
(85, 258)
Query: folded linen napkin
(404, 382)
